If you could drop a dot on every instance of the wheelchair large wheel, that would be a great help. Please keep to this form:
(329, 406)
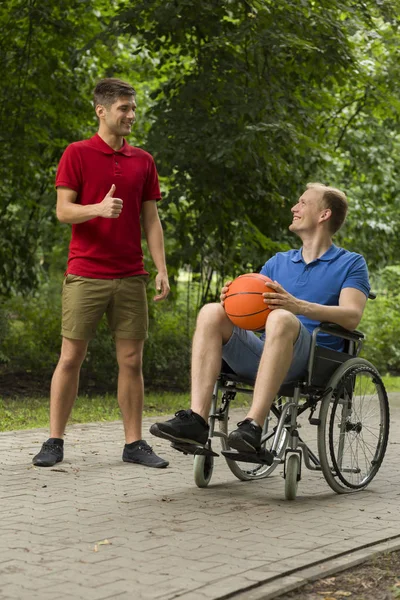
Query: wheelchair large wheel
(354, 426)
(250, 471)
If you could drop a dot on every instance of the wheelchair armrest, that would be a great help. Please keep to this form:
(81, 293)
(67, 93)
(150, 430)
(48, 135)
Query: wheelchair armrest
(325, 356)
(341, 332)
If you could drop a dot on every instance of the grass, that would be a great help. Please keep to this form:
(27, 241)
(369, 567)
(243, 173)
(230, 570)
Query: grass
(392, 384)
(31, 413)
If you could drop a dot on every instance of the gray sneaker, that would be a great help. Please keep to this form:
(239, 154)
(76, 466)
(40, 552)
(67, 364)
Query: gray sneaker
(142, 454)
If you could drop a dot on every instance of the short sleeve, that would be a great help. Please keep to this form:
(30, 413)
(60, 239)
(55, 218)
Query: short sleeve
(357, 276)
(69, 172)
(268, 267)
(151, 190)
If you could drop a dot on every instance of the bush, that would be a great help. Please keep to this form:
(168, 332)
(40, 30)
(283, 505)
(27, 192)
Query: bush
(3, 334)
(32, 342)
(30, 334)
(381, 323)
(166, 362)
(30, 337)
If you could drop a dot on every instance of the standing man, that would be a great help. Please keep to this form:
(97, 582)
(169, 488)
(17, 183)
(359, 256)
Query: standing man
(105, 188)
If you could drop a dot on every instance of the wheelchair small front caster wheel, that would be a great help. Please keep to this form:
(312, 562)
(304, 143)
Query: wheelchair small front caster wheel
(202, 470)
(292, 472)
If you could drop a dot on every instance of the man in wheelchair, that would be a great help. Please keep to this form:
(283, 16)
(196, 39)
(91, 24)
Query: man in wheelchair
(319, 282)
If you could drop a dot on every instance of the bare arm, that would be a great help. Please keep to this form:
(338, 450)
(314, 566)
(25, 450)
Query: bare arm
(70, 212)
(348, 314)
(155, 241)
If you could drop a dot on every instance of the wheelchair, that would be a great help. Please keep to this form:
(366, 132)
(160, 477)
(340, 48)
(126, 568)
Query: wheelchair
(348, 404)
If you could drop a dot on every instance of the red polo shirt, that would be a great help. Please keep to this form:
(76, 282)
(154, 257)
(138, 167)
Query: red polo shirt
(108, 248)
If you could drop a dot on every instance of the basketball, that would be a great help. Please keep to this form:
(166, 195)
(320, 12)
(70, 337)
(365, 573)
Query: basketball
(244, 303)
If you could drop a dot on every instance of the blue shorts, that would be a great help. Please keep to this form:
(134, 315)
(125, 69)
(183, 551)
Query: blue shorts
(243, 352)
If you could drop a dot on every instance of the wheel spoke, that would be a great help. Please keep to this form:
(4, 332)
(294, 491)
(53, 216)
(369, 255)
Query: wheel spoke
(249, 470)
(356, 434)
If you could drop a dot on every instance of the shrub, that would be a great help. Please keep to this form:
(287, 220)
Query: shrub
(30, 334)
(32, 341)
(381, 323)
(3, 334)
(166, 362)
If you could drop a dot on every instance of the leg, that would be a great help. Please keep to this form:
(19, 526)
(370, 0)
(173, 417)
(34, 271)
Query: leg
(190, 426)
(130, 386)
(127, 317)
(281, 331)
(64, 384)
(64, 388)
(130, 400)
(83, 301)
(213, 330)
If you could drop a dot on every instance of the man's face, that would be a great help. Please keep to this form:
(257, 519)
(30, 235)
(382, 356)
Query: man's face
(120, 116)
(309, 212)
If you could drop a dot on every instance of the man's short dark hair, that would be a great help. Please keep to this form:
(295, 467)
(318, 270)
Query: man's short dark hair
(107, 91)
(336, 201)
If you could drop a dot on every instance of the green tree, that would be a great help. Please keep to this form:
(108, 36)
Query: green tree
(365, 144)
(240, 116)
(49, 59)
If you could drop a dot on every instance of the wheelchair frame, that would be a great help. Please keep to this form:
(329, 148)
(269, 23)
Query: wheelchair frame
(348, 464)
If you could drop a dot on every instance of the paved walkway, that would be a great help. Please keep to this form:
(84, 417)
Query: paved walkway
(94, 527)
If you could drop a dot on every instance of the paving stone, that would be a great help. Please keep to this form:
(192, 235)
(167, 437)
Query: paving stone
(169, 539)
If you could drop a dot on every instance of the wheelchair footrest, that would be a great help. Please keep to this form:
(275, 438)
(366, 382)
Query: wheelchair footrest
(259, 458)
(193, 449)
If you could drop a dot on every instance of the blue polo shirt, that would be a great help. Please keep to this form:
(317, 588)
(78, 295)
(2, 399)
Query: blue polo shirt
(319, 281)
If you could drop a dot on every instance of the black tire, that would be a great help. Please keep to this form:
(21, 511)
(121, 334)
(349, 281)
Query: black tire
(354, 426)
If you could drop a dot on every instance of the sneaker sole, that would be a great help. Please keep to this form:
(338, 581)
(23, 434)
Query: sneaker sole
(162, 465)
(46, 464)
(236, 442)
(154, 430)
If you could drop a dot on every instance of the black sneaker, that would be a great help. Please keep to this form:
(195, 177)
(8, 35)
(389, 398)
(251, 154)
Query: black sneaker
(142, 454)
(52, 452)
(247, 437)
(187, 426)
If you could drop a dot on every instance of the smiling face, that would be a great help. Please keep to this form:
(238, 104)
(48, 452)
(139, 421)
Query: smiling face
(309, 214)
(118, 118)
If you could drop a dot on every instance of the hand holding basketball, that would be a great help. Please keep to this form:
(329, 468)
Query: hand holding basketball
(278, 297)
(243, 300)
(224, 291)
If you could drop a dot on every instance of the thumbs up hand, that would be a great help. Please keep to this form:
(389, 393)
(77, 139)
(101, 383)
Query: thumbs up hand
(110, 207)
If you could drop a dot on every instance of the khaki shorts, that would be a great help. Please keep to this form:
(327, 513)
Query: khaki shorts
(86, 300)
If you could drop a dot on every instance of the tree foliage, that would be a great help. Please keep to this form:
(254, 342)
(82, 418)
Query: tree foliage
(241, 102)
(256, 98)
(47, 75)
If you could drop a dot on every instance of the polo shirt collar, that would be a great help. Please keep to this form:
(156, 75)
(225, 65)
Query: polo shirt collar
(327, 256)
(298, 256)
(101, 145)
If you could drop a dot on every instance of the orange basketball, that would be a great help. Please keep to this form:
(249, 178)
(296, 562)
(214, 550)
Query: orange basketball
(244, 303)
